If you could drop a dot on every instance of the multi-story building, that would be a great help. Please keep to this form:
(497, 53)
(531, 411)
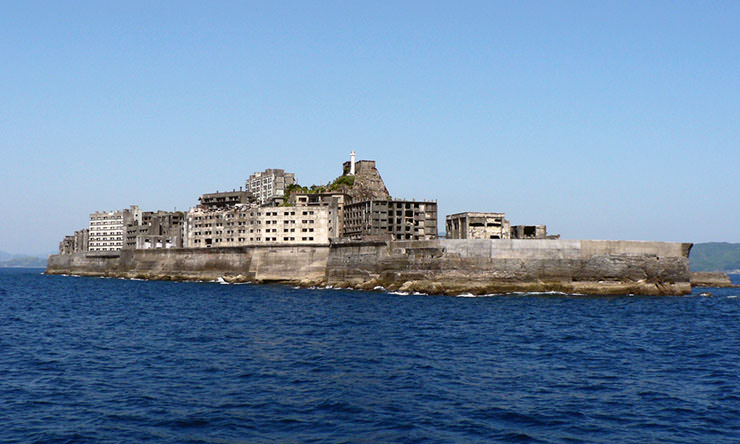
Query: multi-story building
(75, 243)
(161, 229)
(108, 229)
(476, 225)
(244, 225)
(391, 219)
(268, 184)
(335, 200)
(226, 198)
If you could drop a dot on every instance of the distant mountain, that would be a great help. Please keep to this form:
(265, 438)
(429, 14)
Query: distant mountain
(23, 262)
(715, 256)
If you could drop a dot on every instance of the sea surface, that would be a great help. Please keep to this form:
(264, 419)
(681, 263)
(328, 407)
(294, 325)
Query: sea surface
(111, 360)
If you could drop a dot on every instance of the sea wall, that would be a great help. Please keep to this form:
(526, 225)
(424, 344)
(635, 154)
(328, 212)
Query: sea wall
(444, 266)
(453, 266)
(305, 264)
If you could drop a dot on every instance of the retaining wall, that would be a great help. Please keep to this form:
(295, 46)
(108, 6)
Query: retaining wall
(448, 266)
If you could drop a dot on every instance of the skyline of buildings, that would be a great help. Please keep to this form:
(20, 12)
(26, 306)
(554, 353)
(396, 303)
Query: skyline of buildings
(264, 212)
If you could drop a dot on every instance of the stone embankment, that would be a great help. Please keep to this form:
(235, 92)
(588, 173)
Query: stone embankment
(444, 266)
(711, 279)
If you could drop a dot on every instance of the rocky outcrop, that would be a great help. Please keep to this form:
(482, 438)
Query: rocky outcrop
(368, 185)
(711, 279)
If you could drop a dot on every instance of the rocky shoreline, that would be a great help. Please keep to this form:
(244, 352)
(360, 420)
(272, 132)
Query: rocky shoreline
(437, 287)
(716, 279)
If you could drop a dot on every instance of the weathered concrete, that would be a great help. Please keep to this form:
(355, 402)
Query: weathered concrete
(453, 266)
(711, 279)
(443, 266)
(295, 264)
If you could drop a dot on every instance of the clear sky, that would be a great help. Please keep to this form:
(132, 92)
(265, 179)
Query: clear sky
(603, 120)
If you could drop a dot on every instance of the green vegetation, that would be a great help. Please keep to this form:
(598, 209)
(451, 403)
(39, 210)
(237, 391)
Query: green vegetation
(340, 181)
(715, 256)
(336, 185)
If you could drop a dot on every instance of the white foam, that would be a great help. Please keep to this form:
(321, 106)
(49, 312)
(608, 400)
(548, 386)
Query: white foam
(379, 288)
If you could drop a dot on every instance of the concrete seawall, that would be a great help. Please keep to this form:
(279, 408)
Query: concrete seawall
(492, 266)
(305, 264)
(444, 266)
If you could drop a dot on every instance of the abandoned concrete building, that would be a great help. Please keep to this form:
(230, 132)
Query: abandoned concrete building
(360, 208)
(76, 243)
(391, 219)
(243, 225)
(477, 225)
(268, 184)
(108, 229)
(335, 200)
(531, 232)
(226, 198)
(161, 229)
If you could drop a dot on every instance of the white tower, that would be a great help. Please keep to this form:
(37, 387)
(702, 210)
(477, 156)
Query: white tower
(352, 163)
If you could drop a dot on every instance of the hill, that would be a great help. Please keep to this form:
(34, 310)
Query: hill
(8, 260)
(715, 256)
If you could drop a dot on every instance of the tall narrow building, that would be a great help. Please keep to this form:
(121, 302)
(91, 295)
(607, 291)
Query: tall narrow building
(268, 184)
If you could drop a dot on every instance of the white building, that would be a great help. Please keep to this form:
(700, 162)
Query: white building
(268, 184)
(247, 225)
(108, 229)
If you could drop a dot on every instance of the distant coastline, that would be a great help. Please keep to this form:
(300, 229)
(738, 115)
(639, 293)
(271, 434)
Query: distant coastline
(716, 256)
(24, 262)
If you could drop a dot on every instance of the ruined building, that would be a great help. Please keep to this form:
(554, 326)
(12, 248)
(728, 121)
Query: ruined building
(161, 229)
(530, 232)
(269, 184)
(334, 200)
(476, 225)
(108, 229)
(390, 219)
(242, 225)
(226, 198)
(76, 243)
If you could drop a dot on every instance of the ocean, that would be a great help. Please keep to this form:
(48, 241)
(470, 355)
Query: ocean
(112, 360)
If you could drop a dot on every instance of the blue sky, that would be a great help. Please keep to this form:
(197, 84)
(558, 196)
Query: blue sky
(603, 120)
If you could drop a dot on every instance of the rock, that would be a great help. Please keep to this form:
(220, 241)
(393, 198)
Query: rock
(710, 279)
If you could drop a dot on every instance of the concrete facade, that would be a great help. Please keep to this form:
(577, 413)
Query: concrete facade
(161, 229)
(268, 184)
(529, 232)
(108, 229)
(76, 243)
(226, 199)
(476, 225)
(335, 202)
(391, 219)
(245, 225)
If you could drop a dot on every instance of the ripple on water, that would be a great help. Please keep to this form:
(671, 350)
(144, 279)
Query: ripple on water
(109, 360)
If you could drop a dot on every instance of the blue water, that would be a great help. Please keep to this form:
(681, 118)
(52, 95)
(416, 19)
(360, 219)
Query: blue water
(109, 360)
